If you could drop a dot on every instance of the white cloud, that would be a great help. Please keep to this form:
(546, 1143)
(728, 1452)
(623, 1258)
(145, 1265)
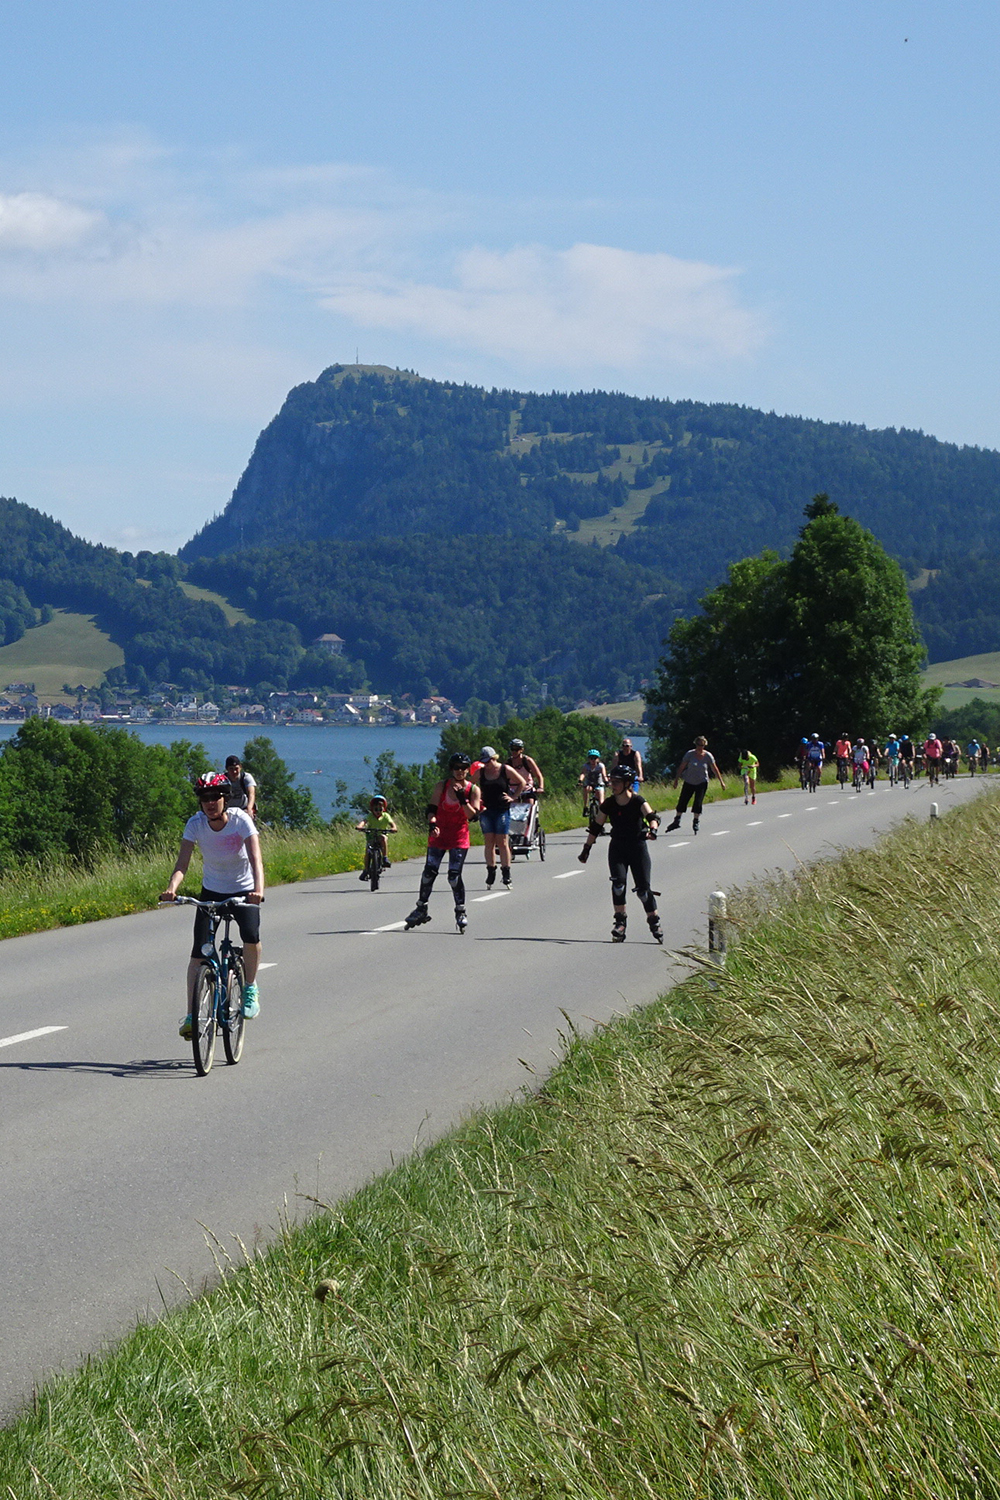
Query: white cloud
(37, 222)
(591, 305)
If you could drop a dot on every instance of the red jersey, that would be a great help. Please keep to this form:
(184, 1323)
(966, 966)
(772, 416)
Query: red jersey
(452, 822)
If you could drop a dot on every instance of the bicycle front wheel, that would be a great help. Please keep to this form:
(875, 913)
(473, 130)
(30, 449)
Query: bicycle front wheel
(234, 1024)
(541, 844)
(203, 1021)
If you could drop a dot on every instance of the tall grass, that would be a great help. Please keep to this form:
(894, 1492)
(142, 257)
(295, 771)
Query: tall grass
(743, 1243)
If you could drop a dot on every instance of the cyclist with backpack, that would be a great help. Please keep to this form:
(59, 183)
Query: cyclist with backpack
(242, 789)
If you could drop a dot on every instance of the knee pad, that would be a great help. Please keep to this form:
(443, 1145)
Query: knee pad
(454, 876)
(594, 829)
(618, 888)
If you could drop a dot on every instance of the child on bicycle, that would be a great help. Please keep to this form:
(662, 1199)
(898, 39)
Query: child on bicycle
(593, 778)
(231, 869)
(379, 823)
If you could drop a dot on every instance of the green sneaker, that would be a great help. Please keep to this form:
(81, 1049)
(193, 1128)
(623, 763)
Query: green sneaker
(251, 1004)
(185, 1028)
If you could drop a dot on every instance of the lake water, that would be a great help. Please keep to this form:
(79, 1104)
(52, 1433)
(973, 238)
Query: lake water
(318, 757)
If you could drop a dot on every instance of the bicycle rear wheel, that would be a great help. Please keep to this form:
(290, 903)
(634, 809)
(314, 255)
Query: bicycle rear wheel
(235, 1021)
(203, 1021)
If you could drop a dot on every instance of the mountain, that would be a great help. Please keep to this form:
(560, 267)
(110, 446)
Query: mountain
(678, 488)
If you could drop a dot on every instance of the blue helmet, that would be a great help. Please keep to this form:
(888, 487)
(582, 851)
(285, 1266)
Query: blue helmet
(593, 754)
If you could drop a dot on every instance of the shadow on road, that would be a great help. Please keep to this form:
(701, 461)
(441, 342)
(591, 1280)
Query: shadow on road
(147, 1067)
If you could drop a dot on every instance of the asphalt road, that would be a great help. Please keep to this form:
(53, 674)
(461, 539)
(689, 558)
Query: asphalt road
(117, 1159)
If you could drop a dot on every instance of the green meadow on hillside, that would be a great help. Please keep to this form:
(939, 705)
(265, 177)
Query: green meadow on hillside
(70, 648)
(986, 666)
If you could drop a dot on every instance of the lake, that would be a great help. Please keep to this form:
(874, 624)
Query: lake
(318, 757)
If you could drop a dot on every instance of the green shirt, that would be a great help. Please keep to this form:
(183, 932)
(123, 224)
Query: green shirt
(748, 766)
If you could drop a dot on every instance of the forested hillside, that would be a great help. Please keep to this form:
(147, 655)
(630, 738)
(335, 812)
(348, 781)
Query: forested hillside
(681, 487)
(469, 616)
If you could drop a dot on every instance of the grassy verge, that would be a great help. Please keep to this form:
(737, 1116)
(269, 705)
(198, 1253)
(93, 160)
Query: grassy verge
(743, 1243)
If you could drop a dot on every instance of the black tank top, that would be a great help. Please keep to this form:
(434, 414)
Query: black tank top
(495, 790)
(626, 822)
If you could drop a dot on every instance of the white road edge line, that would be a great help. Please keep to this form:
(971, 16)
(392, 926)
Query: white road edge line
(495, 895)
(28, 1036)
(567, 875)
(718, 832)
(389, 927)
(682, 845)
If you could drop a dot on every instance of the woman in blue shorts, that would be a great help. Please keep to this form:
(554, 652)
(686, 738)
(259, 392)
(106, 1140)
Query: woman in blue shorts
(500, 785)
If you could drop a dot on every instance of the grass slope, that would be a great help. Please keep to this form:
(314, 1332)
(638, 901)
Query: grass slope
(986, 666)
(741, 1244)
(70, 648)
(233, 615)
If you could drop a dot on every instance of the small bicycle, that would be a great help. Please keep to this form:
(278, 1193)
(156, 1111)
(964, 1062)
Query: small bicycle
(375, 860)
(217, 1004)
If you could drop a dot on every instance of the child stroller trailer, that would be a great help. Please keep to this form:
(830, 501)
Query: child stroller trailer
(526, 832)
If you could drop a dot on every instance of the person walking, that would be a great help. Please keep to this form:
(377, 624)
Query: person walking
(499, 786)
(696, 769)
(632, 822)
(453, 802)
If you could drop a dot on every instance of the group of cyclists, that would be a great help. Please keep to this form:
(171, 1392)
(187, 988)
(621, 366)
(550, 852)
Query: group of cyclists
(858, 760)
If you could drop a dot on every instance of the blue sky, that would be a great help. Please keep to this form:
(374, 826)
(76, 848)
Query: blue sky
(788, 205)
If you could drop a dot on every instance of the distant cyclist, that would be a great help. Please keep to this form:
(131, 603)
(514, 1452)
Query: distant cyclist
(973, 750)
(378, 822)
(860, 763)
(231, 869)
(892, 757)
(801, 762)
(907, 752)
(453, 802)
(984, 758)
(242, 788)
(842, 751)
(933, 751)
(593, 778)
(814, 758)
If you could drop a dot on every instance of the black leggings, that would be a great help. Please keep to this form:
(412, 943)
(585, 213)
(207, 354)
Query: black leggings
(685, 797)
(456, 859)
(635, 857)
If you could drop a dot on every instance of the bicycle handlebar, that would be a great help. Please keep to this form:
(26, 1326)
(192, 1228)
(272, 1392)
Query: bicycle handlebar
(209, 905)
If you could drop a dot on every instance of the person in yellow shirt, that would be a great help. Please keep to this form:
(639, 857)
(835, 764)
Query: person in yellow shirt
(748, 770)
(379, 822)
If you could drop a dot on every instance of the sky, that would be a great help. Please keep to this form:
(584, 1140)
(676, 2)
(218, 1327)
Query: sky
(791, 206)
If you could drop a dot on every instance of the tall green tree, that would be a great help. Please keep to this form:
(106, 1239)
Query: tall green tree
(823, 642)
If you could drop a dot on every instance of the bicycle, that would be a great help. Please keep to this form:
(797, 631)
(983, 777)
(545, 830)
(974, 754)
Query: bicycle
(375, 860)
(594, 805)
(217, 1004)
(815, 774)
(859, 775)
(904, 772)
(893, 768)
(842, 771)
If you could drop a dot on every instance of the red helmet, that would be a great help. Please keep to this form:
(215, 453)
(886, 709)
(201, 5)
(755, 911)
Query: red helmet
(214, 781)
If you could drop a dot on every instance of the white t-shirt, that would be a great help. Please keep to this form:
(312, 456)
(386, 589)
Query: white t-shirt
(225, 863)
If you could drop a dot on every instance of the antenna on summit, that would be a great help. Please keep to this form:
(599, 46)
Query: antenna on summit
(357, 354)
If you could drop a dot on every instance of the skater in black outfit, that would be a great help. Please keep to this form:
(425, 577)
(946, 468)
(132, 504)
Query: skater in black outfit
(632, 821)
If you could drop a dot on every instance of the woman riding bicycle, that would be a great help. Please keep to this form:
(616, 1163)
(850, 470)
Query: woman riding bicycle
(232, 869)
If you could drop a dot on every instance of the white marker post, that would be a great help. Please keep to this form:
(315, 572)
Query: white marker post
(717, 927)
(934, 809)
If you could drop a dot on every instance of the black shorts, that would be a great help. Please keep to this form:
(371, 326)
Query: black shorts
(247, 919)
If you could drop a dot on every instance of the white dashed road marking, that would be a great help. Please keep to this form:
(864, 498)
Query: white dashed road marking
(28, 1036)
(567, 875)
(495, 895)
